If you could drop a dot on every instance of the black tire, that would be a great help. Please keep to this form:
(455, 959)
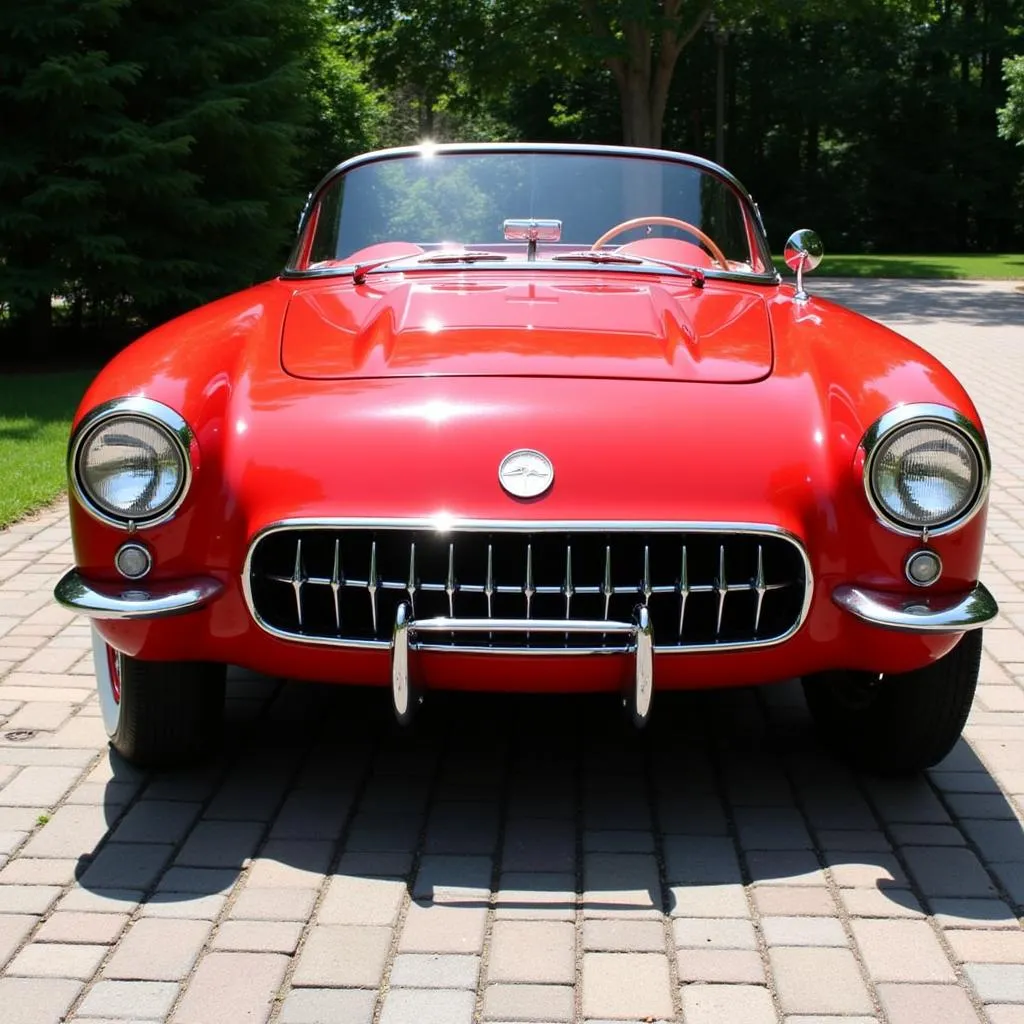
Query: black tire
(171, 712)
(897, 724)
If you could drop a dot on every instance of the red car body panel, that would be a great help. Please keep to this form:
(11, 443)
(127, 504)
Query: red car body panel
(398, 398)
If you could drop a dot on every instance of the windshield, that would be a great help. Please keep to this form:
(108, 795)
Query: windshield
(409, 207)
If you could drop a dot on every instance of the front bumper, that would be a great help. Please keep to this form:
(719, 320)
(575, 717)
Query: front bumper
(920, 613)
(128, 600)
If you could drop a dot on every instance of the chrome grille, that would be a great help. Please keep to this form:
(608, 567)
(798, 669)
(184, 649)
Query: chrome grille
(704, 588)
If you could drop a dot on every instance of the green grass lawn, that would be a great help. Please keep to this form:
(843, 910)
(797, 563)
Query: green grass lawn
(35, 416)
(994, 267)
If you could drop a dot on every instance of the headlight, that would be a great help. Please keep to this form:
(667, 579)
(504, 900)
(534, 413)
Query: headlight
(130, 461)
(926, 468)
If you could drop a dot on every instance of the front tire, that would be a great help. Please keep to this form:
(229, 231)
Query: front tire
(159, 713)
(897, 724)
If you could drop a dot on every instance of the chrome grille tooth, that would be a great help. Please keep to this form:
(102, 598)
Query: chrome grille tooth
(646, 587)
(607, 589)
(298, 578)
(528, 588)
(371, 583)
(759, 587)
(410, 586)
(489, 585)
(336, 582)
(567, 586)
(449, 584)
(684, 590)
(721, 587)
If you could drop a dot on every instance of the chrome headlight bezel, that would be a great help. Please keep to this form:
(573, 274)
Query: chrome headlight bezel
(160, 416)
(925, 415)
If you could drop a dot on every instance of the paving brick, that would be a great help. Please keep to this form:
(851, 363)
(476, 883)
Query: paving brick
(708, 901)
(232, 987)
(14, 930)
(972, 913)
(716, 1004)
(38, 786)
(901, 951)
(155, 950)
(127, 866)
(449, 878)
(539, 844)
(434, 970)
(822, 981)
(625, 985)
(157, 821)
(997, 983)
(130, 1000)
(706, 933)
(618, 841)
(71, 926)
(328, 1006)
(37, 1000)
(432, 928)
(536, 896)
(616, 935)
(948, 872)
(735, 966)
(290, 864)
(220, 844)
(38, 871)
(436, 1006)
(887, 902)
(1004, 1014)
(258, 904)
(548, 1003)
(987, 946)
(532, 951)
(259, 936)
(71, 832)
(351, 900)
(184, 905)
(28, 899)
(790, 867)
(855, 871)
(793, 901)
(343, 956)
(100, 901)
(45, 960)
(803, 931)
(701, 860)
(204, 881)
(926, 1004)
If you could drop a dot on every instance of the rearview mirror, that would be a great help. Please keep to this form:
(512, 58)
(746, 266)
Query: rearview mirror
(803, 252)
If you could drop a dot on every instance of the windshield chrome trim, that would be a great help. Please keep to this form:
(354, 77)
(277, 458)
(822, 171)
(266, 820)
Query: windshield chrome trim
(403, 266)
(580, 149)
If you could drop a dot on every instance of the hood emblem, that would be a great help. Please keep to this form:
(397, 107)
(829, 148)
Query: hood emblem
(525, 473)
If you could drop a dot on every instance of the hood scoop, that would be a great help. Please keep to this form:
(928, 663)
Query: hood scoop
(509, 327)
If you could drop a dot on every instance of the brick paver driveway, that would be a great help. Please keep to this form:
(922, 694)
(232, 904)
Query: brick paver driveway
(520, 860)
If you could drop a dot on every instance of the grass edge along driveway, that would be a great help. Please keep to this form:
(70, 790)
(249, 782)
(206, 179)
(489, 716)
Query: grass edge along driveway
(35, 417)
(992, 267)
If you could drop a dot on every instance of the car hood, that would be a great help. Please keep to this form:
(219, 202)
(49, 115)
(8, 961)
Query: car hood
(398, 326)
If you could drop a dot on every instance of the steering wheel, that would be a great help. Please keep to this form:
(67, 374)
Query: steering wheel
(671, 222)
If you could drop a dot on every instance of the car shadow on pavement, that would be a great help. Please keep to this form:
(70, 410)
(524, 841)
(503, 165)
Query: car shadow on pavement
(543, 805)
(977, 303)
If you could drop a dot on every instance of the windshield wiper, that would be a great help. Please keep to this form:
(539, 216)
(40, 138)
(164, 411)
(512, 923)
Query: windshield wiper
(466, 256)
(695, 274)
(361, 270)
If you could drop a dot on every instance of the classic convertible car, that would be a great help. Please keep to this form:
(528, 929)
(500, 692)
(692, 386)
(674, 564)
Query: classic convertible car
(532, 418)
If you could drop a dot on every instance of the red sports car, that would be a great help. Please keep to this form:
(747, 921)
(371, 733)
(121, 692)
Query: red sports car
(532, 418)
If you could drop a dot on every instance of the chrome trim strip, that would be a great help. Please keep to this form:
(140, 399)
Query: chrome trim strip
(444, 523)
(919, 613)
(121, 601)
(772, 276)
(924, 413)
(145, 408)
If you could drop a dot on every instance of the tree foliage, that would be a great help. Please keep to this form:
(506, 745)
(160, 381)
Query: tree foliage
(1011, 116)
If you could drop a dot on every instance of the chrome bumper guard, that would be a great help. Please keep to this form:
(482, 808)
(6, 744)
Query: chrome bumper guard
(919, 613)
(637, 694)
(130, 600)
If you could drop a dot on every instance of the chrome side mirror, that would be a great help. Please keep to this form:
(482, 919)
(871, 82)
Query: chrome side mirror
(803, 252)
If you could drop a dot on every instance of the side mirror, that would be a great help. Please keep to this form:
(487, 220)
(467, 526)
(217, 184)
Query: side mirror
(803, 252)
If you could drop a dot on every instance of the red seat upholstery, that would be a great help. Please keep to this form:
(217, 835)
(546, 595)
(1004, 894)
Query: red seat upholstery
(674, 249)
